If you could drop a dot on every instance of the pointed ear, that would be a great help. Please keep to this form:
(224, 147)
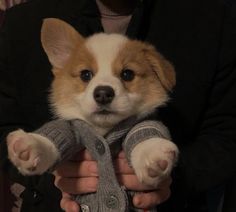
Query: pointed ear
(59, 41)
(163, 69)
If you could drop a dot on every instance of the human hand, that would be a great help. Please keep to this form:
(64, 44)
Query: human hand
(146, 196)
(79, 176)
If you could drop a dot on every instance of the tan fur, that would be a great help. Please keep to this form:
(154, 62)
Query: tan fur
(67, 82)
(147, 61)
(59, 41)
(163, 68)
(153, 74)
(69, 54)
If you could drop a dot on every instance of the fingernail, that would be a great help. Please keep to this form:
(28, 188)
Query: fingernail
(136, 201)
(72, 208)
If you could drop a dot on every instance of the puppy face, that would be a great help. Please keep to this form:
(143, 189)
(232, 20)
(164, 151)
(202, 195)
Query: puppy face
(105, 78)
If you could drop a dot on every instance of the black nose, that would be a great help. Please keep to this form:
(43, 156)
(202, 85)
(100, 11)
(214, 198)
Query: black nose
(103, 94)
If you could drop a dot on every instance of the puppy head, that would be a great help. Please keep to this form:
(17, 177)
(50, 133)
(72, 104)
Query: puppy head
(105, 78)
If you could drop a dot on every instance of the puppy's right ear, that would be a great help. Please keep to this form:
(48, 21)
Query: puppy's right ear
(59, 41)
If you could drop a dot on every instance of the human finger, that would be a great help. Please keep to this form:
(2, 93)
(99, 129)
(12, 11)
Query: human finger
(67, 204)
(146, 200)
(77, 169)
(131, 182)
(121, 154)
(151, 198)
(77, 185)
(82, 155)
(122, 166)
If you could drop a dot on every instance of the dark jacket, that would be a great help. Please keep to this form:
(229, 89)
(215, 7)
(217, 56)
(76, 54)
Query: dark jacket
(198, 37)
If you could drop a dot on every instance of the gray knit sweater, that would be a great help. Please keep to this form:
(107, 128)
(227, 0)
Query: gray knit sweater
(71, 136)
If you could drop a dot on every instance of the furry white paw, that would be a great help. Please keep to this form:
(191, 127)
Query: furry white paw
(31, 153)
(153, 160)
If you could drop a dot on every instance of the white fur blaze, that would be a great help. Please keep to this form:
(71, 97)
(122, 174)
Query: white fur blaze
(153, 160)
(31, 153)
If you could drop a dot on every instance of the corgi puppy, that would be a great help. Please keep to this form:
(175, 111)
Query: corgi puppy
(102, 79)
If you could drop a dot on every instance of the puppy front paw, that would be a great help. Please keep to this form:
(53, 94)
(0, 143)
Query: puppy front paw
(30, 153)
(153, 160)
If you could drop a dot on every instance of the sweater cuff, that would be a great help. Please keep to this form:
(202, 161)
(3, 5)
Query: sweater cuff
(141, 132)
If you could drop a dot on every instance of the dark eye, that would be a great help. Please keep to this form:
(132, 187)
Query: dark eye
(86, 75)
(127, 75)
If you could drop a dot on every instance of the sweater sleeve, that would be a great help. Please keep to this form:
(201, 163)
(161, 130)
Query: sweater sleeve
(141, 132)
(211, 159)
(61, 134)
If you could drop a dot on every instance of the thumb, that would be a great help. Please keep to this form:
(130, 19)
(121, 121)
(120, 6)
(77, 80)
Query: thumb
(67, 204)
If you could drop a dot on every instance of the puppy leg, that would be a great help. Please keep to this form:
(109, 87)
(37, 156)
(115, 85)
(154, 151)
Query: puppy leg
(153, 160)
(31, 153)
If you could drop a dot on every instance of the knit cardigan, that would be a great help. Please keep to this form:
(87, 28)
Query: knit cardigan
(71, 136)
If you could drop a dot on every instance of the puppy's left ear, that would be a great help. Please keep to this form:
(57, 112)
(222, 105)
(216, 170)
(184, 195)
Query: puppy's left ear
(163, 69)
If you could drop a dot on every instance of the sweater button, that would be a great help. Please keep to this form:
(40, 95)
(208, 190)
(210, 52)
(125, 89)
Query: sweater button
(84, 208)
(37, 196)
(100, 148)
(112, 202)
